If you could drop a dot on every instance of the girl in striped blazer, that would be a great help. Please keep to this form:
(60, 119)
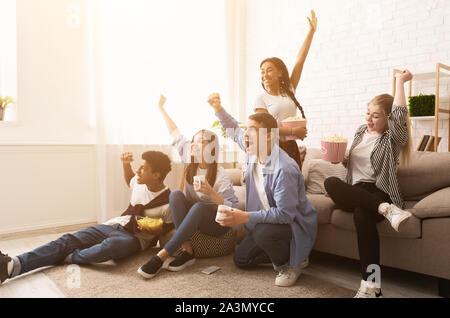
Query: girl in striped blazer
(372, 192)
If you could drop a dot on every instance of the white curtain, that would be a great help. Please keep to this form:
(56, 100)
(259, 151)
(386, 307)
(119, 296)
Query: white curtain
(139, 49)
(8, 56)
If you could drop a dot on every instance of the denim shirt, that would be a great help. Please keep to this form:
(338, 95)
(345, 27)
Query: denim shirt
(285, 189)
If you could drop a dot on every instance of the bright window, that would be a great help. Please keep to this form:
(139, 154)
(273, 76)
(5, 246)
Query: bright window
(144, 48)
(8, 56)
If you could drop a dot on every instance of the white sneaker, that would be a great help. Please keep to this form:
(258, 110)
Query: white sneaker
(287, 276)
(394, 214)
(366, 291)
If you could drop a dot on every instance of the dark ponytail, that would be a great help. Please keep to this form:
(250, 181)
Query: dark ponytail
(285, 81)
(292, 96)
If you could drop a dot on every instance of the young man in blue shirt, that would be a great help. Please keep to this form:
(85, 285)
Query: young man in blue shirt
(281, 222)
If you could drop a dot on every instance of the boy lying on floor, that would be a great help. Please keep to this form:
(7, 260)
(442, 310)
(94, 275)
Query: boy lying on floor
(115, 239)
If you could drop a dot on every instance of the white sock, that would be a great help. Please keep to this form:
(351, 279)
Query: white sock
(10, 267)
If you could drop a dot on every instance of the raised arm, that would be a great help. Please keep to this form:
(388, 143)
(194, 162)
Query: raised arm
(170, 124)
(180, 142)
(397, 120)
(127, 159)
(399, 98)
(229, 124)
(303, 53)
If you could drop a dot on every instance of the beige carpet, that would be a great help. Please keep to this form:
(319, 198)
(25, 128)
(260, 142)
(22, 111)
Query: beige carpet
(121, 280)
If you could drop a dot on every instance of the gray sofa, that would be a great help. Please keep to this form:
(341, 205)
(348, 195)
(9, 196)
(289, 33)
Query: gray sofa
(423, 243)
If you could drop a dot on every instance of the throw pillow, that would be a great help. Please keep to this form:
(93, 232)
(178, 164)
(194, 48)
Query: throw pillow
(435, 205)
(318, 171)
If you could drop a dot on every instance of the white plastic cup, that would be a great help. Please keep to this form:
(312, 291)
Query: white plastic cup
(221, 215)
(197, 180)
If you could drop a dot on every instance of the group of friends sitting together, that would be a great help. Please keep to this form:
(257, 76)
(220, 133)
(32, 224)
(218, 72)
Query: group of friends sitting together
(280, 222)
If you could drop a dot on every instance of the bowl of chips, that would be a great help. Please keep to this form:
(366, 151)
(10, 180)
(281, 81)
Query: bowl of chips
(293, 122)
(334, 148)
(153, 225)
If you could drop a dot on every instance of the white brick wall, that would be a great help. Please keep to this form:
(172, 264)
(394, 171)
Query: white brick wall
(355, 49)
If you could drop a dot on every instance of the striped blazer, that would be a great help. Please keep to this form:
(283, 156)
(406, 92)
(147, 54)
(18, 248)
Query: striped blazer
(385, 153)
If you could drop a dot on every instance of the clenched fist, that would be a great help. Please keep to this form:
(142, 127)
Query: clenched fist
(126, 157)
(405, 76)
(214, 101)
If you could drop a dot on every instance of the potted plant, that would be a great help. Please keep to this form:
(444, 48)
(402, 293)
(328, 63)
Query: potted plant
(4, 102)
(421, 105)
(217, 126)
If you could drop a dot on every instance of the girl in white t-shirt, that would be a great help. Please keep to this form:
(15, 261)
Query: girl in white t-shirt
(196, 207)
(278, 98)
(372, 192)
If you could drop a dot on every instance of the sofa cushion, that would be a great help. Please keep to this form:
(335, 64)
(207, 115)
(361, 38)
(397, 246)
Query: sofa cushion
(434, 205)
(311, 153)
(427, 172)
(409, 229)
(234, 175)
(324, 207)
(318, 171)
(239, 191)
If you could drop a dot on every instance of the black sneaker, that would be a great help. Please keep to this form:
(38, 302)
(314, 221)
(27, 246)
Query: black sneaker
(4, 260)
(151, 268)
(181, 261)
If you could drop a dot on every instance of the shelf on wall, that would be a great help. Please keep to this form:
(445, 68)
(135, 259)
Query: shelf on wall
(428, 76)
(443, 114)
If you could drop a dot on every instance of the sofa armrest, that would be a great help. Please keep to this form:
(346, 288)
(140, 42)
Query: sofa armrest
(434, 205)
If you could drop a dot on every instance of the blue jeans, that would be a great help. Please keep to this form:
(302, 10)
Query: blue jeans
(267, 243)
(95, 244)
(188, 218)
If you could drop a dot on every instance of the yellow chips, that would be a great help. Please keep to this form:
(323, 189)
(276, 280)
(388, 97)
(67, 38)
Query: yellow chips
(149, 223)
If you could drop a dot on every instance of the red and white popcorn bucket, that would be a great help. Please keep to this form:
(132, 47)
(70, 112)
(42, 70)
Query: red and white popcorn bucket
(293, 122)
(334, 151)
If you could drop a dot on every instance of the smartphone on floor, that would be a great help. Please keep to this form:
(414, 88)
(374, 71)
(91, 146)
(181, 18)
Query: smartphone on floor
(210, 270)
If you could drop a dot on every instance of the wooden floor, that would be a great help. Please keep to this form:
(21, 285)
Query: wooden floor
(337, 270)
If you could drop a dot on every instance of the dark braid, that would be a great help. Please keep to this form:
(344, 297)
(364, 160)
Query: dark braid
(292, 96)
(285, 81)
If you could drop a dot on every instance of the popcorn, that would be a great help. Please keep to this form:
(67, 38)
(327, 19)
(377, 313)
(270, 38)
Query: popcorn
(334, 138)
(150, 223)
(292, 118)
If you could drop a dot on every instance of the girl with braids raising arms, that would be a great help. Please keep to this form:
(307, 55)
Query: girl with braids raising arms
(279, 96)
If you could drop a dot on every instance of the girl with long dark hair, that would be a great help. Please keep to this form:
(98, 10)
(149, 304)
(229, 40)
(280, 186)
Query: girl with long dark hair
(278, 98)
